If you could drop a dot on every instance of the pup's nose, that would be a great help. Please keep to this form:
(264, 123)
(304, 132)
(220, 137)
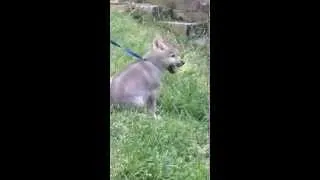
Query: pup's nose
(182, 63)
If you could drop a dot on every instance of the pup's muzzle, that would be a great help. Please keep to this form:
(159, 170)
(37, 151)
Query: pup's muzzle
(180, 64)
(172, 68)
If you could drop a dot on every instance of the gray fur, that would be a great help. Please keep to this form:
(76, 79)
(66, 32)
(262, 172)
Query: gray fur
(139, 83)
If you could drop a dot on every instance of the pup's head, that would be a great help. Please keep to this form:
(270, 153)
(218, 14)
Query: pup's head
(169, 54)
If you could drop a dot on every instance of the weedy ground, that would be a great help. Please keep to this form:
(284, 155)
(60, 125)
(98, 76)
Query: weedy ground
(176, 146)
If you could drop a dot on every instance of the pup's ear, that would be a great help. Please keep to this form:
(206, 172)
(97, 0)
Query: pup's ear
(158, 44)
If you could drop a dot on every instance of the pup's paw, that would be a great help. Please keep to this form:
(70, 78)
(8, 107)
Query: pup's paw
(156, 117)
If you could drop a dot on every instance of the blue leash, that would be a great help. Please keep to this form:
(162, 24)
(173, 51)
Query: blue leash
(128, 51)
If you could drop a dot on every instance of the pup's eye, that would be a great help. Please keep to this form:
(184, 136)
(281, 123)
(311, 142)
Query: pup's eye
(173, 55)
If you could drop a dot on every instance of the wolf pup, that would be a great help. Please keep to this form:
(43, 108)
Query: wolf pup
(139, 83)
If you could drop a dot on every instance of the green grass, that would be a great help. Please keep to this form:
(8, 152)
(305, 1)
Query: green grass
(176, 146)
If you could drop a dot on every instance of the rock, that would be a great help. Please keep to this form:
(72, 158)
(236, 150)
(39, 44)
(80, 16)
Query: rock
(190, 16)
(156, 11)
(186, 28)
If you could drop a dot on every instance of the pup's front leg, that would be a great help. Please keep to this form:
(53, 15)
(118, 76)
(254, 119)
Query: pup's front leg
(151, 105)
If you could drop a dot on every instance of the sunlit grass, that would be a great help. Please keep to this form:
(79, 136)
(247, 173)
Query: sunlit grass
(176, 146)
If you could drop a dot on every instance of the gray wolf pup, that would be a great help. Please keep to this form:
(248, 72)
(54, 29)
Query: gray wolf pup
(139, 83)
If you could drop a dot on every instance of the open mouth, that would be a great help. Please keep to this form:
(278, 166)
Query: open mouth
(172, 68)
